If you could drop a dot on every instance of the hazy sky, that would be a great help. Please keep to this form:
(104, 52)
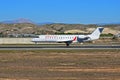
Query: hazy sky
(61, 11)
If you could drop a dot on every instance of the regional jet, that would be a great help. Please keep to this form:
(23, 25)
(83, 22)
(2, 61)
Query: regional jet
(68, 39)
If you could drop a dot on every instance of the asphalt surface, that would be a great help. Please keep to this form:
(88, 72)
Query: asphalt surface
(52, 47)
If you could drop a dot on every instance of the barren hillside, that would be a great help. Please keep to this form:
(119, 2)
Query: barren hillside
(27, 28)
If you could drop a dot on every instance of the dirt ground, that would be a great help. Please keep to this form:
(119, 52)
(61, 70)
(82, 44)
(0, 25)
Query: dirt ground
(60, 65)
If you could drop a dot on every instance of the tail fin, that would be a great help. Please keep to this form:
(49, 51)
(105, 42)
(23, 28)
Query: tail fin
(96, 33)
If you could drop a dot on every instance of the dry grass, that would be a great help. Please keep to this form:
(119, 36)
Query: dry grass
(60, 65)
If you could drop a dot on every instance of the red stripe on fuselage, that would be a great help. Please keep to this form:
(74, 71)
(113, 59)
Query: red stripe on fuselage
(74, 38)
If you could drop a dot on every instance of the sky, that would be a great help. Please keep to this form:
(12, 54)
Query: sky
(61, 11)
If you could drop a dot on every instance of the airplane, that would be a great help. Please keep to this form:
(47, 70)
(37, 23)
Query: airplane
(68, 39)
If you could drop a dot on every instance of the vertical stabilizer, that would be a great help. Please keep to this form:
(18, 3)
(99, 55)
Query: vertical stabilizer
(96, 33)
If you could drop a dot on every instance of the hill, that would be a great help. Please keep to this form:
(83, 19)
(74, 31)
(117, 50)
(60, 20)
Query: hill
(28, 28)
(21, 20)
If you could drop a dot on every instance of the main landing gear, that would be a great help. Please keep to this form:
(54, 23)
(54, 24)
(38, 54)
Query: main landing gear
(67, 44)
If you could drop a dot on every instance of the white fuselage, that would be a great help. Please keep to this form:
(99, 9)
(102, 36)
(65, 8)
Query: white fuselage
(57, 38)
(68, 39)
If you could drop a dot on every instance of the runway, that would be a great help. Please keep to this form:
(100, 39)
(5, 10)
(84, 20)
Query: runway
(59, 47)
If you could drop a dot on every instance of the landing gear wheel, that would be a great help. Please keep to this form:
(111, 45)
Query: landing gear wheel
(67, 44)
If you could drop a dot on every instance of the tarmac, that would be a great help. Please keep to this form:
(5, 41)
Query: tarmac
(59, 47)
